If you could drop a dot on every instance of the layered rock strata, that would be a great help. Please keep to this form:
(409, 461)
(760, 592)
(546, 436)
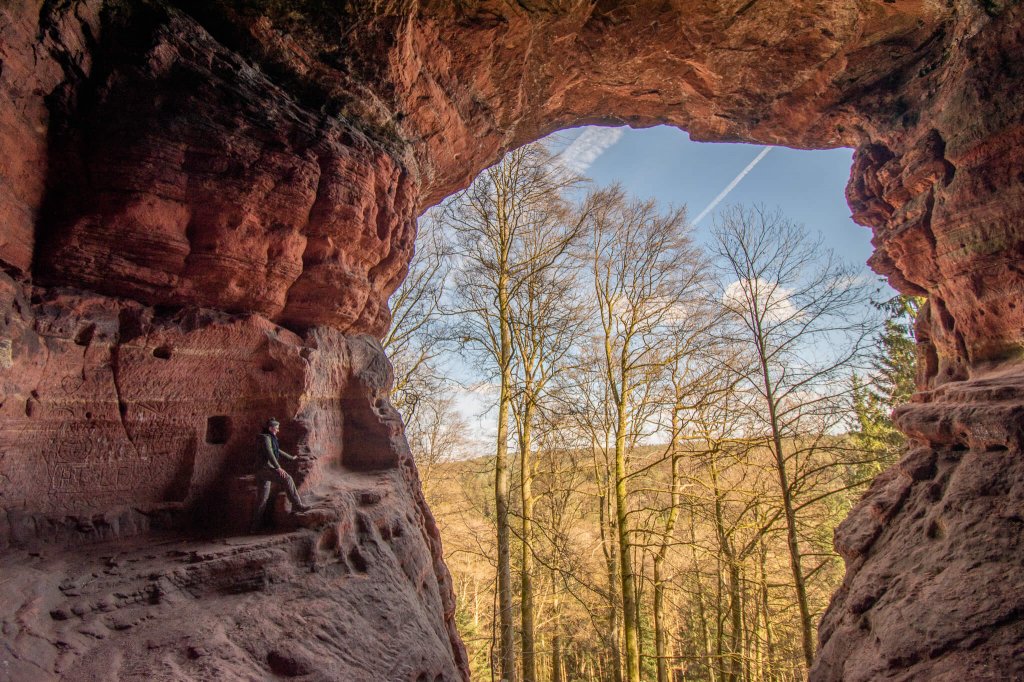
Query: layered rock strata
(935, 571)
(197, 199)
(138, 422)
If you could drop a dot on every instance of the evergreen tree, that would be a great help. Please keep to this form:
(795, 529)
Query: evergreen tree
(894, 368)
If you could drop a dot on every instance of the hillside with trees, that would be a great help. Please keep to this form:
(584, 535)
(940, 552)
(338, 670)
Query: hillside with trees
(680, 424)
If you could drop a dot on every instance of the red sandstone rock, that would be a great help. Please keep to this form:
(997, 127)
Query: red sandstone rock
(189, 178)
(357, 598)
(252, 170)
(935, 572)
(118, 421)
(29, 72)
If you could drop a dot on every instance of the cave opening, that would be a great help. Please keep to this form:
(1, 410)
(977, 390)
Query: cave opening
(830, 451)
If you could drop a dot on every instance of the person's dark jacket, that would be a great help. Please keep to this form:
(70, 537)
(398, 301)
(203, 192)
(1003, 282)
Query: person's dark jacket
(271, 450)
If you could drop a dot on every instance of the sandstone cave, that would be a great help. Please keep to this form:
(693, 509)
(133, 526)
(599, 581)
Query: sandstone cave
(204, 207)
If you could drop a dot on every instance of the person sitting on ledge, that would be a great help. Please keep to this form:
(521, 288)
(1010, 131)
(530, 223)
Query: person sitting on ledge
(270, 471)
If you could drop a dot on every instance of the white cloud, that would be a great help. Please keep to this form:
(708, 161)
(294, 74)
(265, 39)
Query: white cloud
(484, 389)
(476, 403)
(773, 299)
(582, 152)
(732, 185)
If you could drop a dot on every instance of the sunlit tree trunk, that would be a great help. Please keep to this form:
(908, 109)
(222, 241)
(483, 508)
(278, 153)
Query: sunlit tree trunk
(614, 602)
(643, 265)
(501, 476)
(769, 654)
(705, 634)
(606, 527)
(660, 633)
(790, 295)
(731, 652)
(626, 586)
(792, 543)
(527, 596)
(757, 638)
(510, 224)
(556, 646)
(660, 627)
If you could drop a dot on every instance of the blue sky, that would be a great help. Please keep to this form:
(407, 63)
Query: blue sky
(664, 164)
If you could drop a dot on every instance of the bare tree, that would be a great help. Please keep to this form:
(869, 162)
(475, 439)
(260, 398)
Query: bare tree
(416, 320)
(436, 434)
(422, 393)
(694, 381)
(590, 407)
(512, 225)
(545, 318)
(804, 319)
(643, 269)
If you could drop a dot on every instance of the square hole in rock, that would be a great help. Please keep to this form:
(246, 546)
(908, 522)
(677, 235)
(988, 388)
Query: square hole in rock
(218, 429)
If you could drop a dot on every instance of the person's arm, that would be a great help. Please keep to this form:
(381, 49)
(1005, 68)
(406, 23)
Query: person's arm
(286, 455)
(268, 453)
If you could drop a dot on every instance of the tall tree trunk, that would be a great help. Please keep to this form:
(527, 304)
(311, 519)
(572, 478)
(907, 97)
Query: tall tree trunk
(757, 637)
(769, 646)
(608, 536)
(750, 631)
(556, 658)
(705, 635)
(526, 598)
(614, 616)
(628, 588)
(660, 628)
(736, 626)
(719, 618)
(806, 625)
(728, 552)
(660, 636)
(501, 493)
(556, 643)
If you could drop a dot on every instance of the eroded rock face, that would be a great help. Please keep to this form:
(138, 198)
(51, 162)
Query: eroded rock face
(934, 551)
(358, 598)
(183, 175)
(121, 420)
(199, 198)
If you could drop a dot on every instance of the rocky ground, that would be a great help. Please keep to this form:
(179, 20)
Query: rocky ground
(342, 592)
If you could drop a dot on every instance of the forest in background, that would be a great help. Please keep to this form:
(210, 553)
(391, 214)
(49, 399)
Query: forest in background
(679, 426)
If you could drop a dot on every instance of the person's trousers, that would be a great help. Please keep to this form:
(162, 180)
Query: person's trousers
(265, 480)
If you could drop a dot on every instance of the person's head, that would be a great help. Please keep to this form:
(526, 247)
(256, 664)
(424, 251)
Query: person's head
(273, 426)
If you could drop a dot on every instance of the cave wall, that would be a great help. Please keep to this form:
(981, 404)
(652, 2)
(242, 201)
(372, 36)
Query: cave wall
(204, 204)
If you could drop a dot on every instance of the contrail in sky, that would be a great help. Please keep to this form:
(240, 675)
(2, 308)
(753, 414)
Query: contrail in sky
(731, 186)
(585, 149)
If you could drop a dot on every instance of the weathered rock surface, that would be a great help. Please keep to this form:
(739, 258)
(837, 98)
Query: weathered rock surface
(121, 421)
(935, 550)
(198, 198)
(182, 175)
(356, 599)
(253, 159)
(109, 404)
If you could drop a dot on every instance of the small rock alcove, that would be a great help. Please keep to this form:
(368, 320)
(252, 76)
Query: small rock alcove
(252, 165)
(218, 429)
